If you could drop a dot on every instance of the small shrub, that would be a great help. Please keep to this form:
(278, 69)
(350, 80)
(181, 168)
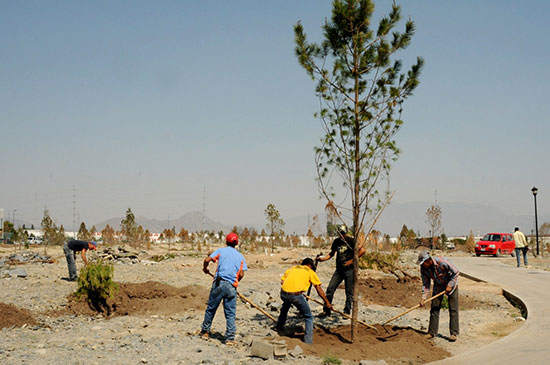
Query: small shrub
(378, 260)
(470, 243)
(331, 360)
(159, 258)
(95, 282)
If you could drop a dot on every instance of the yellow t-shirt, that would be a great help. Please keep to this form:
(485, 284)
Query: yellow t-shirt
(298, 278)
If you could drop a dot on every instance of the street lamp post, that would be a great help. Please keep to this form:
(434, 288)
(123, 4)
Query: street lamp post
(535, 191)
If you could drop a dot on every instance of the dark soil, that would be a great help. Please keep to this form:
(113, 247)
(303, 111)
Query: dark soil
(407, 293)
(11, 316)
(144, 299)
(404, 344)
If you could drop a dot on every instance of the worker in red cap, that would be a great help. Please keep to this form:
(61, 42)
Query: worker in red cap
(230, 270)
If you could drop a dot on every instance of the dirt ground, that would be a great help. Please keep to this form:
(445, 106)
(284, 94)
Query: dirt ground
(11, 316)
(404, 344)
(147, 298)
(393, 292)
(156, 314)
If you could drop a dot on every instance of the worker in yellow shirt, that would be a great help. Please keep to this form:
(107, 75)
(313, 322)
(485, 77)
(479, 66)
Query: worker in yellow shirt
(294, 284)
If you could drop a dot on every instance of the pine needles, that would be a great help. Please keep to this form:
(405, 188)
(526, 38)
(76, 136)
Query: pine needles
(95, 282)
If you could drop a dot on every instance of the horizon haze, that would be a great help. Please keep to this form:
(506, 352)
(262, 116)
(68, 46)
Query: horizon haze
(169, 107)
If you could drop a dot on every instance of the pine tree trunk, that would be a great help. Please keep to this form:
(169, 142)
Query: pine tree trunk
(356, 193)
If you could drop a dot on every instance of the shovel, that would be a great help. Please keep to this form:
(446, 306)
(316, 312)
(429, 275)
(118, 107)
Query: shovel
(410, 310)
(252, 304)
(344, 314)
(255, 306)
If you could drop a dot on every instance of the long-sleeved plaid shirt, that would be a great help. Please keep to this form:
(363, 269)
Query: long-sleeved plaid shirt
(443, 273)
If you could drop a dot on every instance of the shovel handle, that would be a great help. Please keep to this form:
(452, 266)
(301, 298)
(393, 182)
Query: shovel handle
(413, 308)
(252, 304)
(255, 306)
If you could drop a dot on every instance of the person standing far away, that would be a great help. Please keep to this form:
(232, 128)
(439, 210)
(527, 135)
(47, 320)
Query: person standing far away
(521, 246)
(343, 247)
(230, 271)
(71, 248)
(294, 283)
(445, 278)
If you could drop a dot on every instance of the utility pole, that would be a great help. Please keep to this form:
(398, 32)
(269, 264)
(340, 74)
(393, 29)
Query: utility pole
(203, 208)
(74, 210)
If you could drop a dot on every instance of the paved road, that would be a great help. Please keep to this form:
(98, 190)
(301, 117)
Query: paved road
(530, 344)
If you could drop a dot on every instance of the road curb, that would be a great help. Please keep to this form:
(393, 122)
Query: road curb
(511, 297)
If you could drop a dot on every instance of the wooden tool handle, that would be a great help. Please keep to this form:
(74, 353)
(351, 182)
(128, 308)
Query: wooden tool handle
(252, 303)
(255, 306)
(342, 313)
(413, 308)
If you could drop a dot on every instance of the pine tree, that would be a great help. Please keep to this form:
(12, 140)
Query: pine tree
(275, 224)
(128, 227)
(361, 90)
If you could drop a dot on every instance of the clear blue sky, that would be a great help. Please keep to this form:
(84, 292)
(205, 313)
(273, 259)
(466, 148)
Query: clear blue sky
(142, 104)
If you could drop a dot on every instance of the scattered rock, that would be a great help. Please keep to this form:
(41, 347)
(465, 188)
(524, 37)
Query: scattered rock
(372, 362)
(27, 257)
(296, 351)
(17, 273)
(275, 306)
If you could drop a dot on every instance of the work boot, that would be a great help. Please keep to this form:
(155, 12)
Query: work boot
(429, 336)
(205, 335)
(452, 338)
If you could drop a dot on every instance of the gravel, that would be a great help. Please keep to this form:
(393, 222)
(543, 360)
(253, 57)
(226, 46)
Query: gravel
(174, 339)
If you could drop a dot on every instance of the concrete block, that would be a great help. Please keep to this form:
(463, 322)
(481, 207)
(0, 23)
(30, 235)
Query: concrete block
(261, 349)
(268, 349)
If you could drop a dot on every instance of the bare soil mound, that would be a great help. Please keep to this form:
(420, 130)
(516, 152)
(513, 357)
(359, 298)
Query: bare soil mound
(144, 298)
(404, 344)
(407, 293)
(11, 316)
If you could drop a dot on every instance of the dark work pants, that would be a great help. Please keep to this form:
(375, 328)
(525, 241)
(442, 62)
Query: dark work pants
(70, 255)
(347, 277)
(453, 312)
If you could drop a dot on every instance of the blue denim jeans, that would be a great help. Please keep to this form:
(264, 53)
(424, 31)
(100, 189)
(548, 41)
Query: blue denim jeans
(228, 293)
(70, 256)
(300, 302)
(524, 250)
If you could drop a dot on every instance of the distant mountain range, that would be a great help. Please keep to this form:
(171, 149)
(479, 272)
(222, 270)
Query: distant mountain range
(192, 222)
(458, 219)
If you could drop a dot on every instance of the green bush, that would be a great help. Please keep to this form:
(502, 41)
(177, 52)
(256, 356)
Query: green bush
(159, 258)
(95, 282)
(378, 260)
(331, 360)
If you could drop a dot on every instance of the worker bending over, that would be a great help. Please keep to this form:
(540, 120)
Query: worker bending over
(294, 283)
